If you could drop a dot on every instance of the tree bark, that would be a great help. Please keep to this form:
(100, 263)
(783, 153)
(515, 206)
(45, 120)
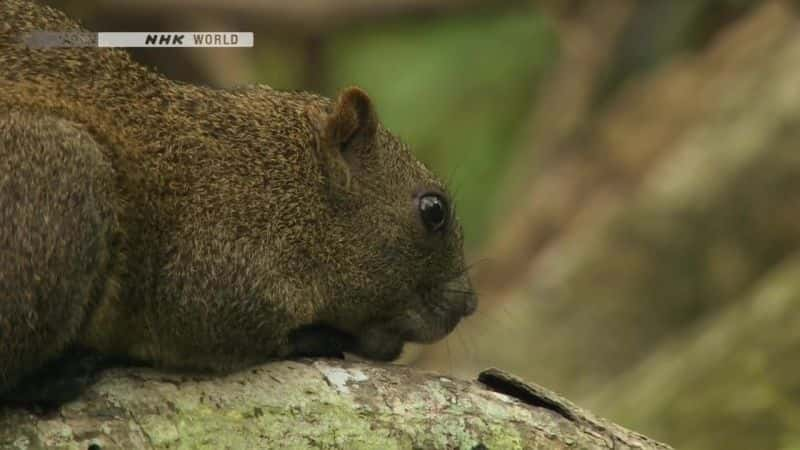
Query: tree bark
(314, 404)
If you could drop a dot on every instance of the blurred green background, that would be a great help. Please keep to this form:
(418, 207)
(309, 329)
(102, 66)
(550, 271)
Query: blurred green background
(626, 172)
(464, 131)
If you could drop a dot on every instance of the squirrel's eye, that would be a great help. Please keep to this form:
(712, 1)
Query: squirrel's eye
(433, 210)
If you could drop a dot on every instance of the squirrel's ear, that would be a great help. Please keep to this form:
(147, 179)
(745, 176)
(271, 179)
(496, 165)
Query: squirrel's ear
(345, 133)
(353, 119)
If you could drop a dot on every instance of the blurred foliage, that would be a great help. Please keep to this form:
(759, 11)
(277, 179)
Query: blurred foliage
(278, 64)
(456, 89)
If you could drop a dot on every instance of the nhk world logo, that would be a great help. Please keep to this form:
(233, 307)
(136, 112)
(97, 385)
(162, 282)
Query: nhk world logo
(179, 39)
(50, 39)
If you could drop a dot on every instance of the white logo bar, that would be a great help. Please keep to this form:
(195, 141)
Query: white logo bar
(175, 39)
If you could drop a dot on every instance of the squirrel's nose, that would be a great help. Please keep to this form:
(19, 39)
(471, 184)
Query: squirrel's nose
(470, 304)
(466, 295)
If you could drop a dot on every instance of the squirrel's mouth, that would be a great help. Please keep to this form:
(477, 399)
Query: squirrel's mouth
(431, 315)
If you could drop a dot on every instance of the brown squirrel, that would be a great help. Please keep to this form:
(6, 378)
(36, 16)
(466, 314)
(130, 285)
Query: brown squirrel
(206, 229)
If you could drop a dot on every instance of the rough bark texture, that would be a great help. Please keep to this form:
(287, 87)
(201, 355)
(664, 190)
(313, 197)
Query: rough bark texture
(314, 404)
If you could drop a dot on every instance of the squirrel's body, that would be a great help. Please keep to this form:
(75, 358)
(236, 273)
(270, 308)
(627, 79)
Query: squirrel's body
(201, 228)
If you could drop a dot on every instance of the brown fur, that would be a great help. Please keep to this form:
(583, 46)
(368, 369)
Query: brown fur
(197, 228)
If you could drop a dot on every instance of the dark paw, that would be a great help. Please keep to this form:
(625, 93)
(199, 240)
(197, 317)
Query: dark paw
(320, 341)
(59, 381)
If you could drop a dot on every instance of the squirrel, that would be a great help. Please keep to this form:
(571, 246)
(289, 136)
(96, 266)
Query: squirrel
(207, 229)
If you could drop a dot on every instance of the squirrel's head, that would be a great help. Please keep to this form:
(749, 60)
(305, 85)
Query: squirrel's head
(396, 243)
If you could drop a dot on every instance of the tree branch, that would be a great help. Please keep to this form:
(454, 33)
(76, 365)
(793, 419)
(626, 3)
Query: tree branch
(314, 404)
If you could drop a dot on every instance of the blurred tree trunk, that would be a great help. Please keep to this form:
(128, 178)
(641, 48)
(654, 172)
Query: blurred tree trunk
(587, 35)
(675, 192)
(700, 201)
(602, 49)
(743, 374)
